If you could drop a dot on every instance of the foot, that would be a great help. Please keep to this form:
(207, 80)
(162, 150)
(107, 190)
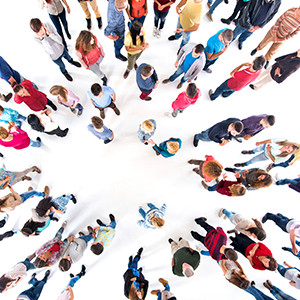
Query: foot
(209, 16)
(154, 33)
(125, 75)
(269, 167)
(247, 152)
(36, 169)
(83, 271)
(38, 139)
(266, 285)
(269, 283)
(47, 273)
(208, 5)
(99, 20)
(30, 188)
(168, 114)
(192, 161)
(135, 66)
(88, 24)
(155, 292)
(100, 223)
(240, 46)
(195, 141)
(252, 283)
(201, 218)
(166, 80)
(170, 240)
(172, 38)
(210, 92)
(208, 70)
(267, 64)
(226, 21)
(112, 218)
(75, 63)
(117, 111)
(238, 165)
(64, 224)
(265, 218)
(204, 184)
(253, 52)
(158, 33)
(230, 170)
(147, 98)
(104, 80)
(102, 114)
(7, 97)
(221, 214)
(46, 191)
(90, 229)
(252, 86)
(179, 85)
(180, 238)
(80, 233)
(73, 199)
(33, 275)
(140, 251)
(26, 178)
(72, 275)
(67, 75)
(121, 57)
(163, 281)
(285, 248)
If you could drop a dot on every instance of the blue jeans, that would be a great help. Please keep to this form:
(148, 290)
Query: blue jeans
(287, 181)
(18, 121)
(73, 281)
(35, 291)
(203, 136)
(25, 196)
(213, 188)
(134, 263)
(185, 35)
(29, 265)
(222, 89)
(177, 73)
(280, 220)
(35, 144)
(142, 212)
(56, 19)
(260, 157)
(230, 215)
(59, 61)
(280, 295)
(243, 32)
(140, 19)
(79, 107)
(290, 250)
(119, 43)
(158, 15)
(87, 237)
(285, 163)
(214, 6)
(167, 288)
(282, 270)
(257, 294)
(209, 63)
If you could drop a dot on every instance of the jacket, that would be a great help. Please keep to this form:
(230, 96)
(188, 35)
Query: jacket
(128, 275)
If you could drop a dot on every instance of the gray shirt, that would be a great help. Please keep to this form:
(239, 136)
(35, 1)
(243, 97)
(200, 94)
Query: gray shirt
(292, 275)
(241, 223)
(75, 249)
(54, 8)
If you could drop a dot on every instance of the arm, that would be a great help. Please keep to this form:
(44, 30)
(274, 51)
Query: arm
(101, 48)
(161, 7)
(190, 29)
(293, 241)
(71, 292)
(239, 67)
(80, 58)
(128, 13)
(179, 5)
(67, 6)
(263, 142)
(113, 97)
(211, 56)
(15, 194)
(269, 153)
(223, 267)
(42, 4)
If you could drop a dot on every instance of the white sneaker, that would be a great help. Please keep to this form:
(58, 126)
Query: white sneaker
(158, 33)
(155, 30)
(168, 114)
(276, 177)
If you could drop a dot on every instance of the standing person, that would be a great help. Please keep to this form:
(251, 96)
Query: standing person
(47, 36)
(220, 133)
(115, 28)
(153, 218)
(215, 241)
(100, 131)
(147, 80)
(85, 8)
(290, 273)
(67, 98)
(239, 78)
(285, 27)
(216, 46)
(8, 115)
(90, 53)
(137, 10)
(161, 10)
(239, 7)
(190, 61)
(188, 20)
(135, 45)
(167, 148)
(256, 15)
(103, 97)
(136, 286)
(57, 14)
(165, 294)
(35, 291)
(185, 259)
(212, 6)
(292, 183)
(146, 130)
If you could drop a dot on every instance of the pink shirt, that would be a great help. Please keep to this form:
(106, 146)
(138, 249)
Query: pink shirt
(183, 101)
(65, 295)
(241, 79)
(72, 99)
(20, 140)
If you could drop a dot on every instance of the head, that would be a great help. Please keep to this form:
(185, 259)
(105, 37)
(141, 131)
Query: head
(44, 206)
(230, 254)
(257, 233)
(157, 222)
(58, 90)
(134, 294)
(258, 63)
(30, 227)
(3, 133)
(267, 121)
(65, 264)
(239, 279)
(198, 50)
(288, 148)
(85, 41)
(212, 169)
(147, 71)
(19, 89)
(37, 26)
(1, 110)
(5, 282)
(191, 90)
(172, 147)
(237, 190)
(135, 30)
(147, 126)
(264, 179)
(121, 4)
(42, 260)
(270, 263)
(187, 270)
(35, 123)
(97, 122)
(226, 36)
(236, 128)
(96, 89)
(97, 248)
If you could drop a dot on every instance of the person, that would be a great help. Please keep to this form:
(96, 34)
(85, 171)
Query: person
(291, 250)
(67, 98)
(57, 14)
(115, 28)
(103, 97)
(277, 292)
(286, 27)
(137, 10)
(290, 273)
(12, 177)
(291, 226)
(100, 131)
(215, 241)
(185, 259)
(147, 80)
(146, 130)
(294, 184)
(239, 78)
(135, 45)
(90, 53)
(161, 10)
(185, 99)
(188, 20)
(167, 148)
(283, 67)
(243, 225)
(8, 115)
(153, 218)
(42, 121)
(238, 9)
(165, 294)
(67, 293)
(18, 139)
(136, 286)
(34, 99)
(259, 256)
(226, 187)
(212, 5)
(256, 15)
(103, 235)
(209, 169)
(274, 149)
(216, 46)
(190, 61)
(34, 292)
(85, 8)
(289, 162)
(47, 36)
(220, 133)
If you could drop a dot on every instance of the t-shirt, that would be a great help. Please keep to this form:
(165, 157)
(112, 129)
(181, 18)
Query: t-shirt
(214, 241)
(105, 235)
(191, 14)
(163, 2)
(105, 99)
(293, 224)
(106, 134)
(230, 266)
(214, 45)
(292, 275)
(129, 43)
(20, 140)
(241, 223)
(6, 71)
(65, 295)
(241, 79)
(72, 99)
(189, 60)
(262, 250)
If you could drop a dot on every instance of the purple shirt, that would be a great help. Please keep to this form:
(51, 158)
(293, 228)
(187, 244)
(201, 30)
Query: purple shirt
(251, 125)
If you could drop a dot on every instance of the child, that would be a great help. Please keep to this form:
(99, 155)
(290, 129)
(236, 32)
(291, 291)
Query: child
(8, 115)
(153, 218)
(147, 80)
(146, 130)
(100, 131)
(165, 294)
(167, 148)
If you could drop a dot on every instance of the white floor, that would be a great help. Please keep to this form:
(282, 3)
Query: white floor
(119, 177)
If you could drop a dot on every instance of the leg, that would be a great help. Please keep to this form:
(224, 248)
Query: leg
(214, 6)
(183, 243)
(85, 9)
(19, 175)
(213, 188)
(238, 30)
(118, 44)
(79, 107)
(143, 95)
(61, 64)
(230, 215)
(198, 237)
(239, 6)
(95, 68)
(280, 220)
(258, 158)
(151, 206)
(95, 8)
(244, 36)
(134, 263)
(142, 212)
(273, 49)
(279, 294)
(63, 19)
(195, 162)
(59, 132)
(36, 290)
(35, 144)
(25, 196)
(87, 237)
(265, 41)
(209, 63)
(287, 181)
(156, 17)
(56, 23)
(163, 16)
(185, 38)
(281, 269)
(203, 136)
(177, 73)
(59, 233)
(286, 163)
(112, 224)
(67, 56)
(73, 281)
(221, 89)
(174, 247)
(258, 295)
(51, 104)
(130, 61)
(205, 225)
(178, 34)
(263, 79)
(227, 93)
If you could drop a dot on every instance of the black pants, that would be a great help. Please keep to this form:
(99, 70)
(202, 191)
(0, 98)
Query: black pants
(240, 5)
(2, 223)
(58, 132)
(7, 234)
(206, 226)
(241, 242)
(51, 104)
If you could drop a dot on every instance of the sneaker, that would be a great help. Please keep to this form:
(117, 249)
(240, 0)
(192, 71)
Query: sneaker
(121, 57)
(155, 292)
(46, 191)
(7, 97)
(140, 251)
(39, 139)
(179, 85)
(253, 52)
(100, 223)
(252, 86)
(47, 273)
(210, 16)
(154, 31)
(226, 21)
(166, 81)
(36, 169)
(267, 64)
(172, 38)
(210, 92)
(135, 66)
(269, 167)
(240, 45)
(266, 285)
(240, 165)
(125, 75)
(204, 184)
(75, 63)
(73, 199)
(158, 34)
(285, 248)
(195, 141)
(265, 218)
(117, 111)
(26, 178)
(247, 152)
(104, 80)
(112, 218)
(67, 75)
(102, 114)
(221, 214)
(170, 240)
(163, 281)
(168, 114)
(88, 24)
(147, 98)
(230, 170)
(208, 70)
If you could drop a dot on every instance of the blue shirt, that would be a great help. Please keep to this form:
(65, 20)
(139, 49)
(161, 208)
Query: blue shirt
(163, 147)
(115, 20)
(188, 61)
(9, 115)
(146, 86)
(214, 45)
(105, 99)
(106, 134)
(143, 136)
(6, 71)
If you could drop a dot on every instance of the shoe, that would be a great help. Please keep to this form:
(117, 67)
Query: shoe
(210, 92)
(266, 285)
(102, 114)
(73, 199)
(36, 169)
(68, 35)
(140, 251)
(240, 46)
(80, 233)
(1, 155)
(158, 33)
(67, 75)
(226, 1)
(117, 111)
(230, 170)
(75, 63)
(107, 141)
(269, 283)
(226, 21)
(195, 141)
(221, 214)
(252, 86)
(285, 248)
(79, 113)
(240, 165)
(170, 240)
(99, 20)
(90, 229)
(135, 66)
(100, 223)
(147, 98)
(64, 224)
(209, 16)
(112, 218)
(208, 70)
(237, 139)
(208, 5)
(265, 218)
(253, 52)
(46, 191)
(72, 275)
(154, 33)
(252, 283)
(155, 292)
(121, 57)
(180, 238)
(82, 272)
(125, 75)
(172, 38)
(179, 85)
(163, 281)
(235, 21)
(38, 139)
(204, 184)
(140, 269)
(88, 24)
(267, 64)
(7, 97)
(166, 81)
(247, 152)
(269, 167)
(104, 80)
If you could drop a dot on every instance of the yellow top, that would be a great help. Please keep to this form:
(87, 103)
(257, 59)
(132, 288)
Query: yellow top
(297, 156)
(129, 43)
(191, 14)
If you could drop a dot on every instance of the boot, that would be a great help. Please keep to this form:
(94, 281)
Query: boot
(155, 292)
(67, 75)
(88, 24)
(75, 63)
(163, 281)
(5, 97)
(102, 114)
(99, 20)
(100, 223)
(46, 191)
(126, 73)
(140, 251)
(116, 110)
(104, 80)
(204, 184)
(82, 272)
(247, 152)
(112, 218)
(36, 169)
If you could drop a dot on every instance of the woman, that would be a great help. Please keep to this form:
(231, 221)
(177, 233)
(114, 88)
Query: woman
(134, 44)
(290, 273)
(43, 122)
(137, 10)
(161, 10)
(165, 294)
(67, 98)
(167, 148)
(90, 53)
(153, 218)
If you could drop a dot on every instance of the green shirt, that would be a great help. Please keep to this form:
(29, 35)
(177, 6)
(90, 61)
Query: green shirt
(184, 255)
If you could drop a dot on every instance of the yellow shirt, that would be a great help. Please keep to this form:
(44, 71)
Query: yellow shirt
(191, 14)
(129, 43)
(297, 156)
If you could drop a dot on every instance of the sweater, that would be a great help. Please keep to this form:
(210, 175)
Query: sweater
(145, 136)
(12, 200)
(242, 78)
(252, 126)
(262, 250)
(248, 177)
(223, 186)
(185, 255)
(183, 100)
(163, 148)
(75, 249)
(146, 86)
(115, 20)
(9, 115)
(241, 223)
(20, 140)
(213, 241)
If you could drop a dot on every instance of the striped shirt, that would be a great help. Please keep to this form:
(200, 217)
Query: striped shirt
(213, 241)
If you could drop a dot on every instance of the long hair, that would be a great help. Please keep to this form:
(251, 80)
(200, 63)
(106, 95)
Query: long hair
(237, 278)
(58, 90)
(135, 31)
(43, 206)
(35, 123)
(3, 282)
(31, 227)
(237, 190)
(296, 148)
(83, 42)
(267, 181)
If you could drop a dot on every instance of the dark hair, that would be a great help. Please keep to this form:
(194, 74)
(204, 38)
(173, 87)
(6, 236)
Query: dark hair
(39, 263)
(96, 89)
(97, 122)
(191, 90)
(64, 264)
(146, 70)
(199, 48)
(260, 233)
(272, 264)
(16, 87)
(43, 206)
(3, 282)
(270, 119)
(238, 126)
(97, 248)
(258, 63)
(240, 282)
(231, 254)
(135, 31)
(227, 35)
(31, 227)
(36, 25)
(35, 123)
(267, 181)
(1, 108)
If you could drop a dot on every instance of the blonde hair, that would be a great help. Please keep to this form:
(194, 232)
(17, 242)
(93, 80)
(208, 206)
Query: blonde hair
(147, 126)
(237, 190)
(172, 147)
(58, 90)
(3, 133)
(157, 221)
(296, 148)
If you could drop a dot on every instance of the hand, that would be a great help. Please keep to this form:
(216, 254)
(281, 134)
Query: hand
(247, 137)
(224, 142)
(151, 142)
(68, 9)
(178, 10)
(224, 175)
(257, 143)
(156, 84)
(146, 13)
(268, 148)
(295, 250)
(71, 238)
(131, 18)
(190, 80)
(178, 30)
(176, 64)
(277, 71)
(237, 174)
(253, 28)
(161, 7)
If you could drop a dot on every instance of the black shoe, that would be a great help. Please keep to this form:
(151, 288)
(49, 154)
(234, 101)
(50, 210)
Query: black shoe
(267, 64)
(247, 152)
(201, 218)
(140, 251)
(253, 52)
(75, 63)
(107, 141)
(67, 75)
(265, 218)
(285, 248)
(235, 21)
(82, 272)
(170, 240)
(39, 139)
(99, 20)
(72, 275)
(140, 269)
(47, 273)
(130, 259)
(7, 97)
(1, 155)
(238, 165)
(68, 34)
(104, 80)
(73, 199)
(180, 239)
(172, 38)
(252, 283)
(226, 1)
(112, 218)
(121, 57)
(195, 141)
(88, 24)
(251, 86)
(100, 223)
(240, 45)
(230, 170)
(237, 139)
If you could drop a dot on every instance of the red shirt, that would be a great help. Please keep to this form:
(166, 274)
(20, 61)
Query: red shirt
(262, 250)
(93, 56)
(209, 158)
(241, 79)
(36, 101)
(183, 101)
(213, 241)
(223, 186)
(163, 2)
(19, 141)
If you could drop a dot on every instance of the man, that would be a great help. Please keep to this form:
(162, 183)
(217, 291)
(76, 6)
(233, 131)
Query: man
(47, 36)
(85, 8)
(190, 61)
(212, 6)
(185, 259)
(239, 7)
(188, 21)
(256, 15)
(216, 46)
(115, 28)
(285, 28)
(220, 133)
(147, 81)
(239, 79)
